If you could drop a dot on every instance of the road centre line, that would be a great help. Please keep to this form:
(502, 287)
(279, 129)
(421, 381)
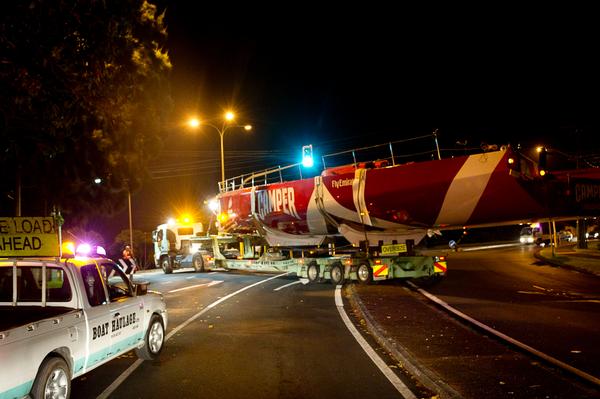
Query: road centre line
(387, 372)
(533, 351)
(196, 286)
(287, 285)
(479, 248)
(112, 387)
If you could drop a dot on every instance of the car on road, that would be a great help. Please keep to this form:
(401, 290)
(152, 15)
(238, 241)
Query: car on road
(593, 232)
(565, 235)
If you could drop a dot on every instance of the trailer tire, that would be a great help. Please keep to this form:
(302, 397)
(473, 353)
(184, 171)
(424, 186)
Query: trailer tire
(337, 274)
(364, 273)
(167, 266)
(53, 380)
(153, 340)
(198, 263)
(313, 272)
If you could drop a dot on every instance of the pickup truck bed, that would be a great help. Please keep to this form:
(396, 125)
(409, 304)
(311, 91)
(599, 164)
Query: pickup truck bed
(15, 316)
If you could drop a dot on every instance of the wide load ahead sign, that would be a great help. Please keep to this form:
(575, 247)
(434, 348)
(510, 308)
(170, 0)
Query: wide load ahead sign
(28, 236)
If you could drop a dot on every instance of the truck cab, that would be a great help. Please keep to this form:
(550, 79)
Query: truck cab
(180, 245)
(534, 234)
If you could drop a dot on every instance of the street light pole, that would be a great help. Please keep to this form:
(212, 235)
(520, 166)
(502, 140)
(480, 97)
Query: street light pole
(222, 133)
(229, 116)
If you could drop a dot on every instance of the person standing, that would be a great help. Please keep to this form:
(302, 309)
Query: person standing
(127, 262)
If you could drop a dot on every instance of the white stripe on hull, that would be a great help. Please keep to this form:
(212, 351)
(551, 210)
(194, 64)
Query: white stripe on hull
(466, 188)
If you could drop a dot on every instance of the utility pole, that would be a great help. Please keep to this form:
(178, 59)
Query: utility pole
(130, 218)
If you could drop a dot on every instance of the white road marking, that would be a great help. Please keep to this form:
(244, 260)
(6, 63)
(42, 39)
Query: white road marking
(387, 372)
(112, 387)
(479, 248)
(147, 272)
(505, 337)
(196, 286)
(287, 285)
(531, 292)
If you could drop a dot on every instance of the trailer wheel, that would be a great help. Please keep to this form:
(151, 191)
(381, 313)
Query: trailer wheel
(153, 341)
(167, 266)
(337, 274)
(53, 380)
(313, 272)
(364, 273)
(198, 263)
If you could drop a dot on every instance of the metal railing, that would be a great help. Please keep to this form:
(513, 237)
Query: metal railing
(379, 152)
(260, 178)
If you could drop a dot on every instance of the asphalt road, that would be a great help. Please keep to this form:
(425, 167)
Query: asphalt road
(283, 339)
(268, 341)
(554, 310)
(550, 309)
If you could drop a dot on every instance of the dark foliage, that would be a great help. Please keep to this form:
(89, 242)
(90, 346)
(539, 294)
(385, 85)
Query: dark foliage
(83, 95)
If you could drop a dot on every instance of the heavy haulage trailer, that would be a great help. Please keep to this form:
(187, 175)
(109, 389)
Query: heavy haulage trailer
(364, 265)
(176, 247)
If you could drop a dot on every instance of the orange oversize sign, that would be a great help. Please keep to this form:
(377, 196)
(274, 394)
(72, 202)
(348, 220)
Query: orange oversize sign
(28, 236)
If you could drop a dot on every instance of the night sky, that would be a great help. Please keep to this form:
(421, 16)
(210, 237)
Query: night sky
(345, 78)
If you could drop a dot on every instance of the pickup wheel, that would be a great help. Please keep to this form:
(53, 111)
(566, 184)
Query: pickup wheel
(337, 274)
(198, 263)
(364, 273)
(153, 341)
(53, 380)
(167, 266)
(312, 272)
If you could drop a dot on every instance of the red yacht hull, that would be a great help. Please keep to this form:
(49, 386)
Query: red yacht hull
(403, 201)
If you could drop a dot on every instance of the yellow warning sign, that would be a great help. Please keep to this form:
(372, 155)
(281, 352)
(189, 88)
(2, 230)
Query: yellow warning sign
(28, 236)
(380, 270)
(393, 249)
(440, 267)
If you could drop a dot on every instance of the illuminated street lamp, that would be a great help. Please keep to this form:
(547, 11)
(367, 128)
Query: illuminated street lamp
(228, 117)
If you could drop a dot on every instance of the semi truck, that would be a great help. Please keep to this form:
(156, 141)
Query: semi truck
(250, 252)
(181, 244)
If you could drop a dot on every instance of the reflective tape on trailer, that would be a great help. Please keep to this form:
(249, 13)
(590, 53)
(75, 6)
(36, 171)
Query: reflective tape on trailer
(440, 267)
(380, 270)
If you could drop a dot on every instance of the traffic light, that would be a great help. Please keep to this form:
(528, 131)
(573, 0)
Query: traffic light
(542, 151)
(307, 156)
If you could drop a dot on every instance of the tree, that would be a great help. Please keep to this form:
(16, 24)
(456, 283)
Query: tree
(83, 96)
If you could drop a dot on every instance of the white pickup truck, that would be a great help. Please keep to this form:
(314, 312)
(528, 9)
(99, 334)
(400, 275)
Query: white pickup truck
(60, 318)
